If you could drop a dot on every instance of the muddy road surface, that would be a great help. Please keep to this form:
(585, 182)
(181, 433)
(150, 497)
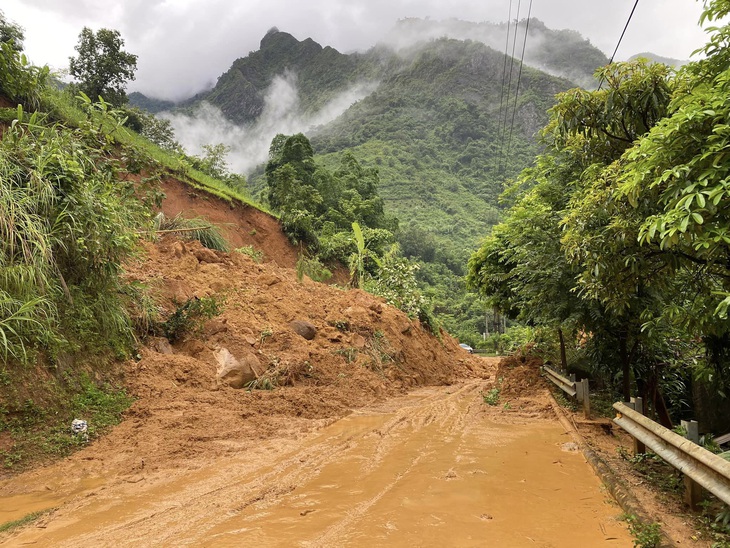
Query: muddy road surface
(437, 467)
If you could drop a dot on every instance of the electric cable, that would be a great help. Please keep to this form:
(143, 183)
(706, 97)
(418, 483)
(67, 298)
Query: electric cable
(509, 88)
(519, 78)
(504, 81)
(626, 26)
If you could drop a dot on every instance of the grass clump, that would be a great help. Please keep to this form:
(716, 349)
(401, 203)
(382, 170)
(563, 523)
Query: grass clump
(196, 228)
(491, 397)
(256, 254)
(312, 267)
(646, 535)
(22, 522)
(349, 353)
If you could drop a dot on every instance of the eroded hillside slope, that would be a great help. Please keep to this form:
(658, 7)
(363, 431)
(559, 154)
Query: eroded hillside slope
(363, 350)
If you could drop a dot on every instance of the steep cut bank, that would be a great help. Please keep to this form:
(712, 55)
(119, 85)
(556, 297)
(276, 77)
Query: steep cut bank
(240, 224)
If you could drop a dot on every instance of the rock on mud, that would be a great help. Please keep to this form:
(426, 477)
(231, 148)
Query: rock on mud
(235, 372)
(303, 328)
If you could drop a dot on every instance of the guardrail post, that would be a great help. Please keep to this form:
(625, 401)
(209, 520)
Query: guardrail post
(637, 404)
(586, 399)
(710, 471)
(578, 391)
(692, 490)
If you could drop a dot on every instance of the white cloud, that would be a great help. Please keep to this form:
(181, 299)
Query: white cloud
(250, 144)
(184, 45)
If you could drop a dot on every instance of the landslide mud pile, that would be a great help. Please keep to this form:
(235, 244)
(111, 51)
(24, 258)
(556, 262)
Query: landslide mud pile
(311, 351)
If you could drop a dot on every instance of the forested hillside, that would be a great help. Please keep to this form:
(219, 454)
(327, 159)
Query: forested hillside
(321, 72)
(441, 126)
(559, 52)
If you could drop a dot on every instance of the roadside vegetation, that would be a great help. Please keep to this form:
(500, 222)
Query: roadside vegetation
(615, 247)
(79, 189)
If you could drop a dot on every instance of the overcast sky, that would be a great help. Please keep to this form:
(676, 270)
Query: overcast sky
(184, 45)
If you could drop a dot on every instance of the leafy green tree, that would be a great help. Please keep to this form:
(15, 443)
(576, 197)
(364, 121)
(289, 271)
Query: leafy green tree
(317, 203)
(101, 67)
(19, 80)
(676, 182)
(11, 33)
(599, 239)
(559, 260)
(417, 242)
(521, 268)
(645, 226)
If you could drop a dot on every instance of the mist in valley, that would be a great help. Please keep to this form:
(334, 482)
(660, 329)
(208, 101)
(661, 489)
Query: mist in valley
(249, 145)
(539, 50)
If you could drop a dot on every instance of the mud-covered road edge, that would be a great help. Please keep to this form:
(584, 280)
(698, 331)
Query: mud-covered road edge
(613, 483)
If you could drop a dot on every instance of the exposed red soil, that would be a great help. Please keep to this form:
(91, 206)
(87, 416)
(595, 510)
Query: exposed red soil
(363, 351)
(6, 103)
(242, 225)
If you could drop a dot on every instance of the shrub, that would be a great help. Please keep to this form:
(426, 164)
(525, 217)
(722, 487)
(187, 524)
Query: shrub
(190, 316)
(19, 80)
(312, 267)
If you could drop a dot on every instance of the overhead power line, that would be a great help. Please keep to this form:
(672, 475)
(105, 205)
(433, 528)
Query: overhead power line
(626, 26)
(500, 135)
(519, 78)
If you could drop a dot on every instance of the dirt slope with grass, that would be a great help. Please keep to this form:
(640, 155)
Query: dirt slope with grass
(242, 225)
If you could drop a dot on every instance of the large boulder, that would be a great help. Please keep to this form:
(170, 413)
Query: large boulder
(236, 372)
(304, 329)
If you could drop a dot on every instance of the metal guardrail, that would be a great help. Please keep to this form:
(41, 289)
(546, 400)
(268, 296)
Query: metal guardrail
(565, 384)
(702, 466)
(576, 389)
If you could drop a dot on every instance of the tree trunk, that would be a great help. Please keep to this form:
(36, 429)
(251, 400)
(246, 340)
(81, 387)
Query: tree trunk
(623, 351)
(563, 357)
(712, 409)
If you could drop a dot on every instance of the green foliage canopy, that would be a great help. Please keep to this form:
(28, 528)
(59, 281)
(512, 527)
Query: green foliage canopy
(317, 203)
(561, 259)
(11, 33)
(101, 66)
(642, 222)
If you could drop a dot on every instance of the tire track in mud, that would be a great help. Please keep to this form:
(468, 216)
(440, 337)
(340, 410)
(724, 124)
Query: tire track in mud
(421, 468)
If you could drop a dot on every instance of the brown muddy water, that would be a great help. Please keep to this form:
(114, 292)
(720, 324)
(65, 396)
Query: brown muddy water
(430, 469)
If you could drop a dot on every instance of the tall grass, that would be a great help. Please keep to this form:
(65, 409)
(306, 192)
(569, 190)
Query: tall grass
(65, 109)
(196, 228)
(66, 224)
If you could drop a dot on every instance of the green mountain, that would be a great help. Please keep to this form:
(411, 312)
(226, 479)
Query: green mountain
(436, 133)
(676, 63)
(321, 73)
(559, 52)
(137, 99)
(442, 127)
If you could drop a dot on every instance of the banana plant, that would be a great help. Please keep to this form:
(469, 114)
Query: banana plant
(359, 258)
